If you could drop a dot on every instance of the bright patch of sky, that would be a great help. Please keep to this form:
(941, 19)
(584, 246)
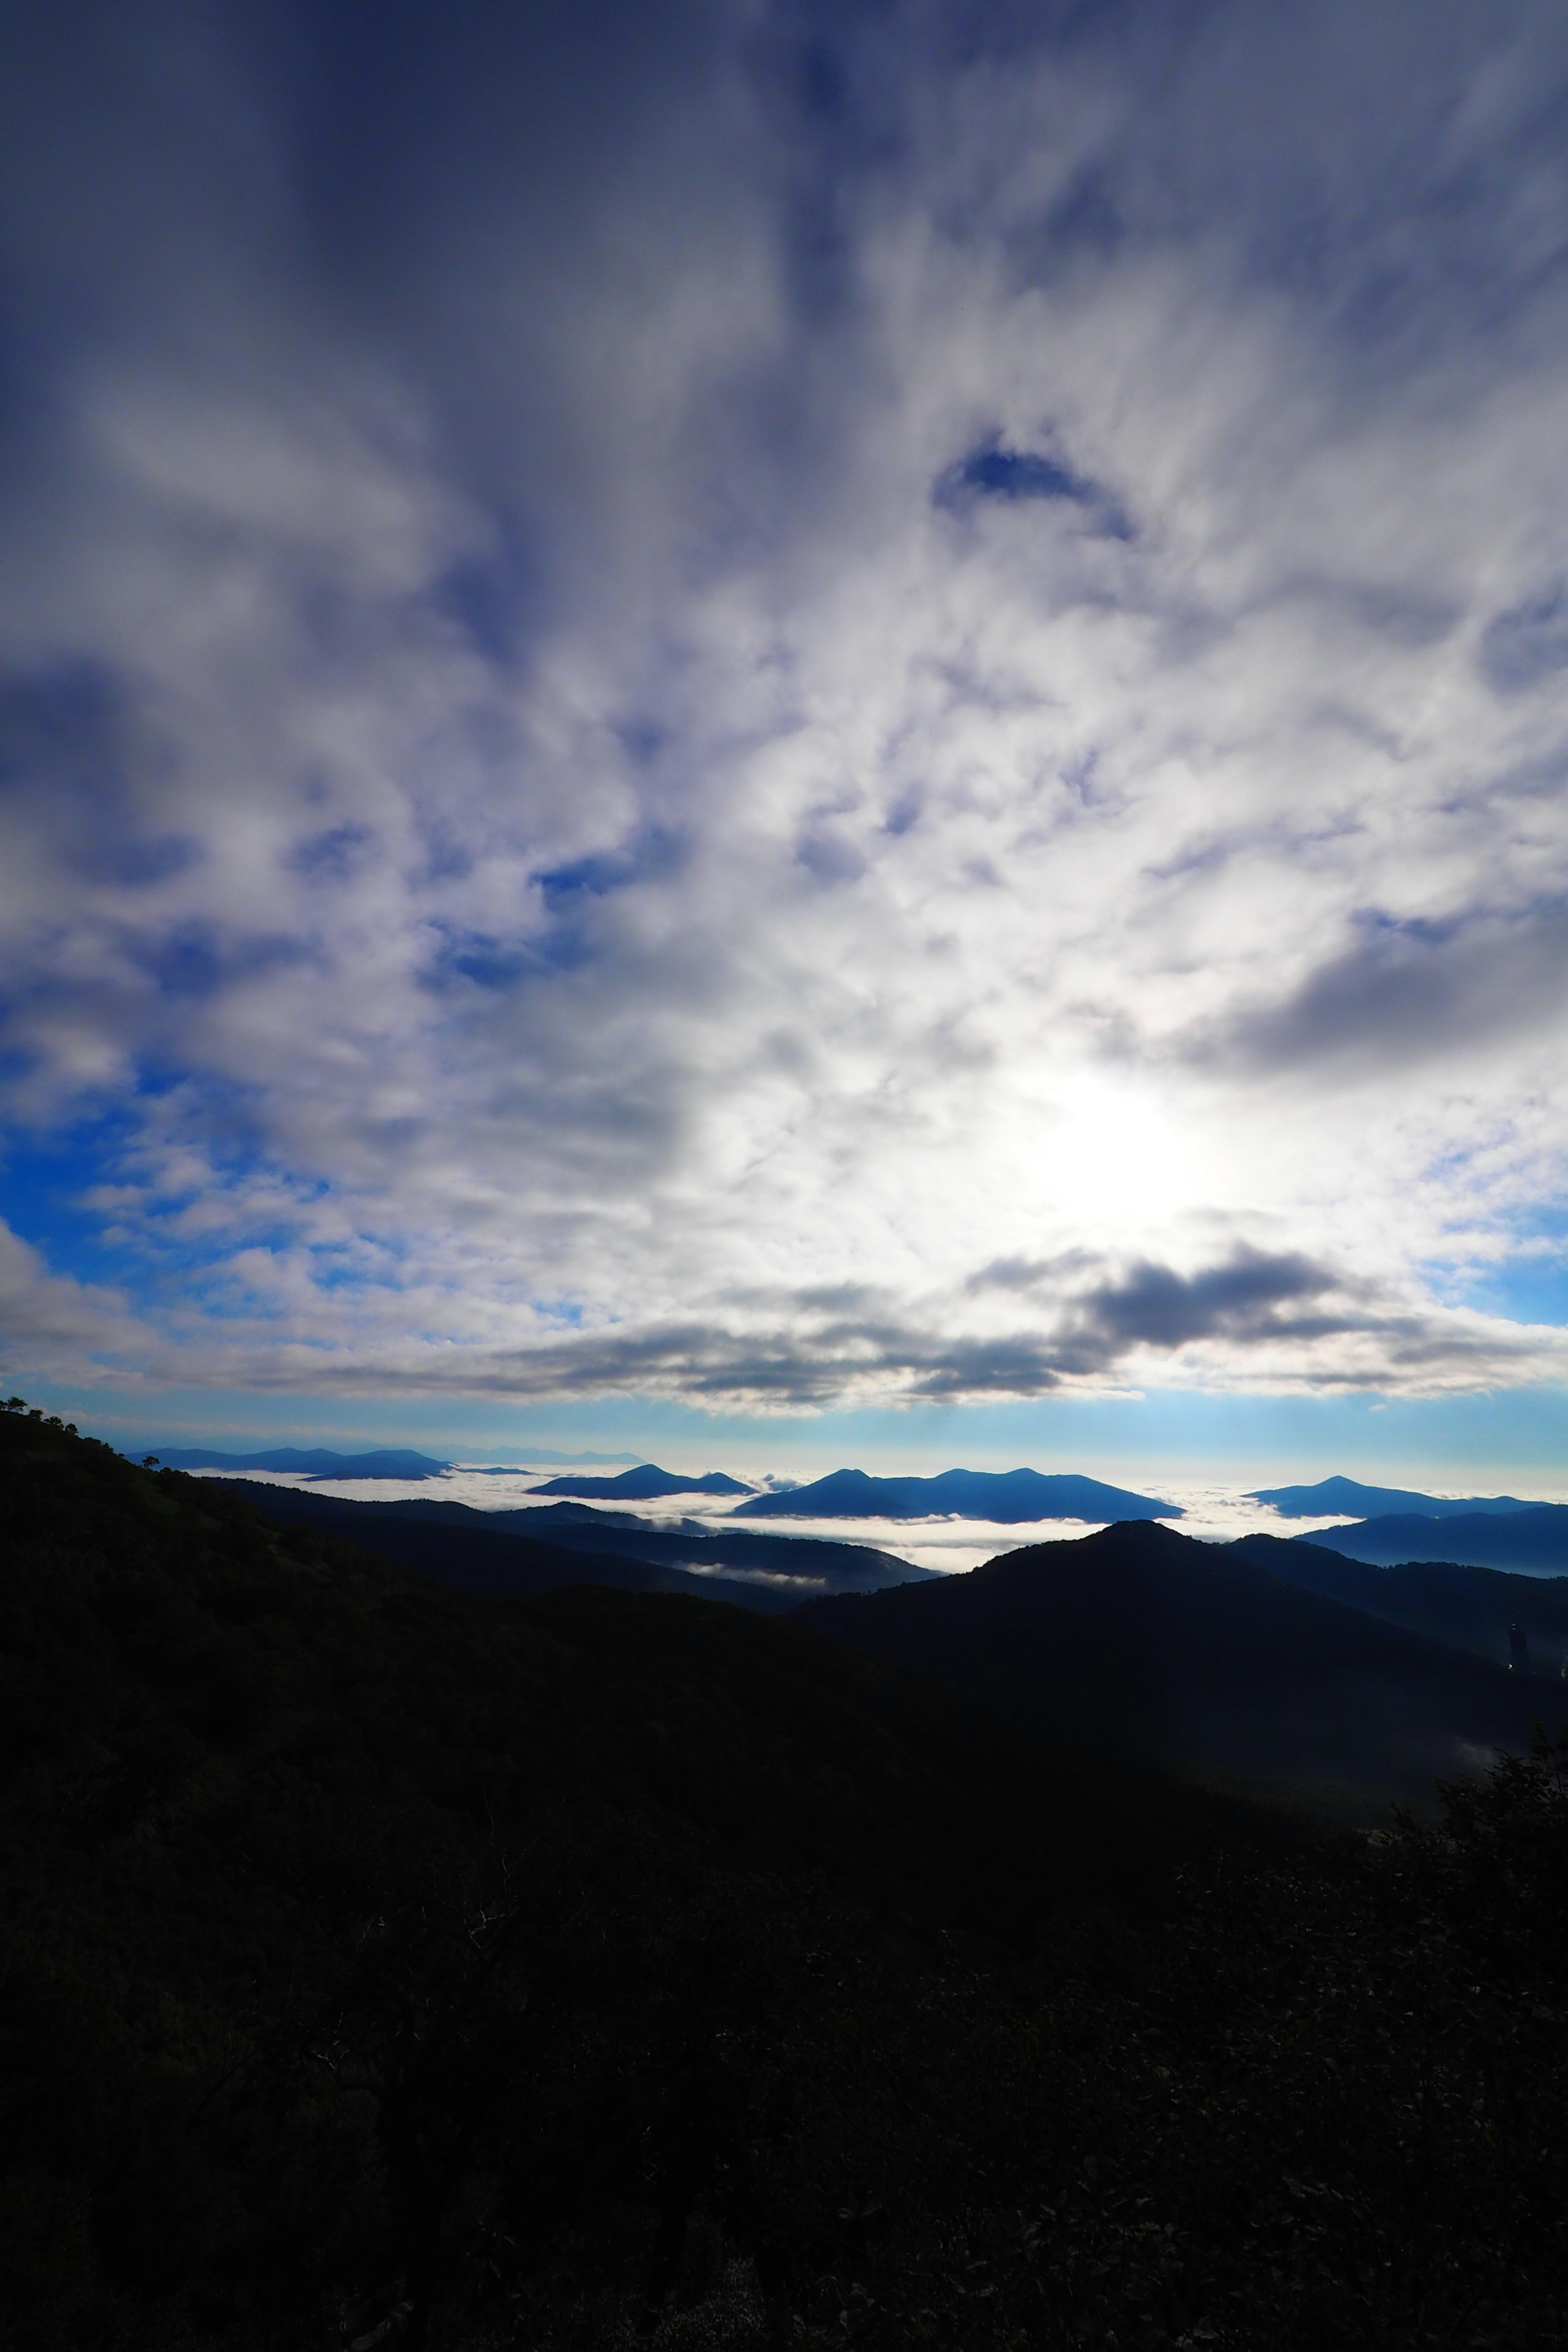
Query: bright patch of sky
(747, 710)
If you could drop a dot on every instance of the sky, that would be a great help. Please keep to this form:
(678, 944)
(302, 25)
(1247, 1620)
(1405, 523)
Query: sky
(838, 729)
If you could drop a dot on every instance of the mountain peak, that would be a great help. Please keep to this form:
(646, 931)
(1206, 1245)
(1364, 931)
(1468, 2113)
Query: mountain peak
(1342, 1497)
(1006, 1497)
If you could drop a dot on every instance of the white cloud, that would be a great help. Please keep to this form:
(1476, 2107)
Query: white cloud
(559, 849)
(54, 1324)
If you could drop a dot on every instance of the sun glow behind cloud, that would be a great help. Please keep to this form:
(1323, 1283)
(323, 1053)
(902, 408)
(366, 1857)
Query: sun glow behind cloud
(675, 723)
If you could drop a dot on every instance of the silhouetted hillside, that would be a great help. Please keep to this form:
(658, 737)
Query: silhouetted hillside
(1349, 1496)
(541, 1547)
(1139, 1640)
(1009, 1497)
(385, 1966)
(464, 1550)
(1472, 1608)
(644, 1484)
(1534, 1540)
(267, 1806)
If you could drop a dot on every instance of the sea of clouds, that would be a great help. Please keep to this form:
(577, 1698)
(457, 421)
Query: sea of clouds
(1211, 1512)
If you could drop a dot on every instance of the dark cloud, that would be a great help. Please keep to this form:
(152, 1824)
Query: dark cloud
(811, 1348)
(1239, 1300)
(1408, 993)
(332, 856)
(1526, 645)
(81, 768)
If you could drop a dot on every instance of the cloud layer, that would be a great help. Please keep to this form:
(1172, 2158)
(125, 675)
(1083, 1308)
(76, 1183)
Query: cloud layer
(746, 700)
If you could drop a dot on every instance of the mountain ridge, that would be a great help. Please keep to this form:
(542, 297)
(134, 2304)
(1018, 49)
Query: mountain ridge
(646, 1484)
(1533, 1540)
(1348, 1497)
(315, 1462)
(1001, 1496)
(383, 1963)
(1141, 1640)
(1471, 1606)
(542, 1547)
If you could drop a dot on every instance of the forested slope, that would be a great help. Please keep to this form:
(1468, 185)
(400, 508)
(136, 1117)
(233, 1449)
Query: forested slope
(1198, 1657)
(385, 1965)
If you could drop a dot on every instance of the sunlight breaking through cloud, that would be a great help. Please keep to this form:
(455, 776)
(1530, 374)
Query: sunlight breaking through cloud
(665, 733)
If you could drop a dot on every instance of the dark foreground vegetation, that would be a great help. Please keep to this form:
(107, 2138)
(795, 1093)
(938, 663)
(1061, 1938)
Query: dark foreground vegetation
(383, 1966)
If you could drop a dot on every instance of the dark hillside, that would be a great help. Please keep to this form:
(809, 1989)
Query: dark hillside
(388, 1967)
(1473, 1608)
(232, 1753)
(1139, 1640)
(1534, 1540)
(519, 1552)
(467, 1551)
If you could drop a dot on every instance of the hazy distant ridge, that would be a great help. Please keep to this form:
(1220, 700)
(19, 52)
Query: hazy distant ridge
(646, 1484)
(314, 1462)
(1533, 1538)
(1349, 1497)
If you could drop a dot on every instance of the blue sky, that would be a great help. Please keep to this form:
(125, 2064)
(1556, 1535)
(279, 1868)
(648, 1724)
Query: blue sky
(827, 731)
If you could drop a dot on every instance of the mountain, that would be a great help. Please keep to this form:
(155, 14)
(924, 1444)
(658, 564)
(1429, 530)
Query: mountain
(388, 1966)
(467, 1554)
(553, 1455)
(1140, 1641)
(333, 1905)
(386, 1462)
(811, 1562)
(1472, 1608)
(1007, 1498)
(542, 1548)
(644, 1484)
(1535, 1538)
(1348, 1499)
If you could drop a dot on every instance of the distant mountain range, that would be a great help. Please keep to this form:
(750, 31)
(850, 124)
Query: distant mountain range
(646, 1484)
(1348, 1497)
(1279, 1663)
(384, 1462)
(314, 1462)
(1006, 1497)
(1533, 1538)
(553, 1455)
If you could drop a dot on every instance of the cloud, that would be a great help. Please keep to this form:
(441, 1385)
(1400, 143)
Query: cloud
(1242, 1298)
(668, 680)
(55, 1324)
(1413, 992)
(1060, 1327)
(1524, 647)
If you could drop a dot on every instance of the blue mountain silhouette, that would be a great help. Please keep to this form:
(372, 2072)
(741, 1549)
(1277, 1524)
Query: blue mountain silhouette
(646, 1484)
(1007, 1498)
(1349, 1497)
(315, 1462)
